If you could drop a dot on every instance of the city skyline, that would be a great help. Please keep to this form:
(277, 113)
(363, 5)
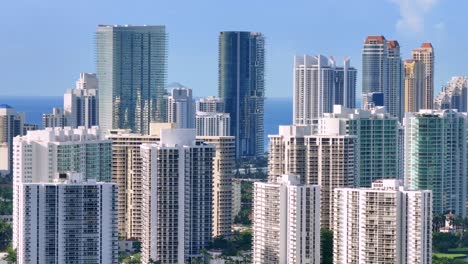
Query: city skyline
(50, 53)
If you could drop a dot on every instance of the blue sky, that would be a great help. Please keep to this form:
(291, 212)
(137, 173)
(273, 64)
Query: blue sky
(46, 44)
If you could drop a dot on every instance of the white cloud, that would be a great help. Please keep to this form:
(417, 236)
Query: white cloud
(412, 14)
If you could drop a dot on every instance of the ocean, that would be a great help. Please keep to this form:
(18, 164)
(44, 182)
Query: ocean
(278, 111)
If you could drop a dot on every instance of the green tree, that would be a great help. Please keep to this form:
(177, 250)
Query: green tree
(6, 234)
(11, 255)
(326, 246)
(441, 242)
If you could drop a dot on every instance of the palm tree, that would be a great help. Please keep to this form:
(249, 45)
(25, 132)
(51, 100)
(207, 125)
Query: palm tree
(11, 255)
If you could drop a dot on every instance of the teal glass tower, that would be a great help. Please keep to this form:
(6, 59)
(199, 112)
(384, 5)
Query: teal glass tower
(242, 88)
(132, 72)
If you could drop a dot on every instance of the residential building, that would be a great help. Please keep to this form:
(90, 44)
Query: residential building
(425, 54)
(181, 107)
(126, 172)
(40, 155)
(374, 67)
(69, 220)
(383, 224)
(11, 125)
(331, 162)
(435, 157)
(454, 95)
(224, 164)
(242, 88)
(394, 95)
(378, 138)
(210, 104)
(286, 222)
(414, 85)
(80, 105)
(212, 124)
(177, 202)
(318, 85)
(55, 119)
(131, 68)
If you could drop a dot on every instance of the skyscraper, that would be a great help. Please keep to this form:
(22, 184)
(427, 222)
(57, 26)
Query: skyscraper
(286, 222)
(242, 88)
(11, 125)
(394, 95)
(132, 70)
(318, 85)
(435, 157)
(177, 176)
(383, 224)
(414, 85)
(42, 154)
(126, 172)
(374, 66)
(378, 136)
(181, 107)
(80, 105)
(331, 162)
(43, 158)
(328, 160)
(425, 54)
(224, 164)
(68, 220)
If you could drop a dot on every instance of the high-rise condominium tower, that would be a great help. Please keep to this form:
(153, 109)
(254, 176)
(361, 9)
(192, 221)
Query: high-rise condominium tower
(242, 88)
(43, 157)
(383, 224)
(42, 154)
(80, 105)
(126, 172)
(328, 160)
(435, 157)
(181, 107)
(374, 66)
(70, 220)
(425, 54)
(394, 95)
(177, 176)
(286, 222)
(224, 164)
(378, 133)
(11, 125)
(131, 69)
(414, 85)
(318, 85)
(454, 95)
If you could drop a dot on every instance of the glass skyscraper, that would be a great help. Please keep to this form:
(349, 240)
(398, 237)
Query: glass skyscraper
(132, 71)
(242, 88)
(374, 66)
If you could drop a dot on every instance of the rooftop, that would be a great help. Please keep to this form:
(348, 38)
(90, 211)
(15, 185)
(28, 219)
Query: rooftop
(379, 39)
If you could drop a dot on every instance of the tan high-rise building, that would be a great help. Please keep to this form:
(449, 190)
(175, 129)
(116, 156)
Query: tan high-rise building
(331, 162)
(425, 54)
(126, 172)
(414, 85)
(224, 163)
(327, 160)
